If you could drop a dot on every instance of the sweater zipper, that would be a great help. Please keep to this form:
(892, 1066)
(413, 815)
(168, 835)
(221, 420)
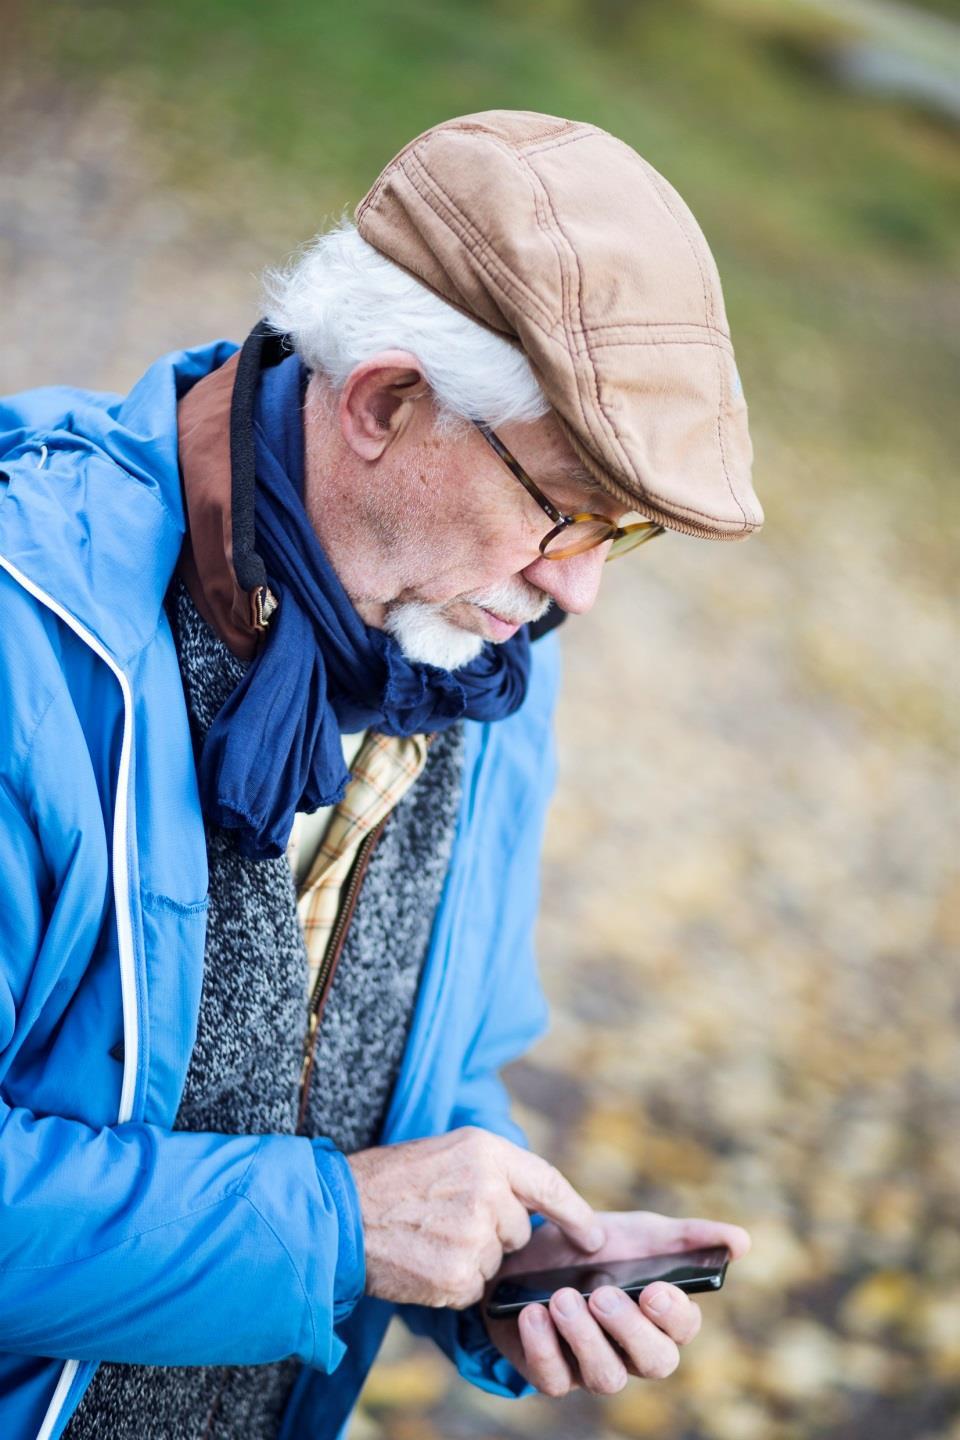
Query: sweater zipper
(331, 958)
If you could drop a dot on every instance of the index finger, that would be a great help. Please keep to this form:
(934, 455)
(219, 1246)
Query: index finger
(663, 1234)
(540, 1186)
(697, 1233)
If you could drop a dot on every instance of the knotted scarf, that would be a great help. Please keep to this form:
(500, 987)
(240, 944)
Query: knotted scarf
(274, 747)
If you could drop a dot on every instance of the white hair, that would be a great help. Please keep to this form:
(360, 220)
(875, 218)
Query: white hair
(341, 302)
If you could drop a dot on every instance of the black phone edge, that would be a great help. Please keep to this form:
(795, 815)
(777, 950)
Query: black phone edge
(698, 1286)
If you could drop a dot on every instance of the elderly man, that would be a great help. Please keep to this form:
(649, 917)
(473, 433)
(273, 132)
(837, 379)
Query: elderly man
(276, 688)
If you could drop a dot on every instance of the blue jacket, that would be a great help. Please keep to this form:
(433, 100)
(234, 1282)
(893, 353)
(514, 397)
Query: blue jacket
(121, 1239)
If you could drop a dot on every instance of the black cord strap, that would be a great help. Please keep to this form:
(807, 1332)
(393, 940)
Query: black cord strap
(263, 347)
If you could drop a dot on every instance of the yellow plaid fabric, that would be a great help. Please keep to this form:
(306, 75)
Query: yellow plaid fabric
(382, 773)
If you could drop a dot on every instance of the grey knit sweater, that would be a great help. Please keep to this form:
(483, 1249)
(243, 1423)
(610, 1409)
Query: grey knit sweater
(245, 1067)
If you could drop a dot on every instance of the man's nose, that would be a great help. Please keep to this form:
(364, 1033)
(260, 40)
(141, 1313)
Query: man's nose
(574, 583)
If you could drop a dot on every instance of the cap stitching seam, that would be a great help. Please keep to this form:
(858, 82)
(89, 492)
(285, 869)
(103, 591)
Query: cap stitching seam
(547, 333)
(670, 507)
(583, 132)
(385, 174)
(674, 509)
(612, 344)
(657, 183)
(534, 182)
(420, 274)
(497, 138)
(721, 373)
(691, 510)
(664, 325)
(480, 247)
(583, 333)
(541, 197)
(451, 129)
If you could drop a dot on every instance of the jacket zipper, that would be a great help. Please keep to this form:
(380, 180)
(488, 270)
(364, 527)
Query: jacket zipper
(331, 959)
(121, 892)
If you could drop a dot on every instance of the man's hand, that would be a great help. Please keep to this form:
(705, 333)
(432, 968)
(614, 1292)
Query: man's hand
(598, 1344)
(440, 1214)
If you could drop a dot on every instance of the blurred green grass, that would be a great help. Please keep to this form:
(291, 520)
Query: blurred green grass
(834, 216)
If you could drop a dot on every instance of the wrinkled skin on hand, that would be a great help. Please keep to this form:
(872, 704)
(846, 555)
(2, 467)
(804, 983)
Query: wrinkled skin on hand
(440, 1214)
(599, 1344)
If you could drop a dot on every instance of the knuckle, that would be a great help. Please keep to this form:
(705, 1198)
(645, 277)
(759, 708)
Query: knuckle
(466, 1274)
(696, 1320)
(463, 1299)
(477, 1224)
(663, 1362)
(598, 1375)
(519, 1236)
(491, 1264)
(684, 1234)
(612, 1380)
(554, 1184)
(478, 1141)
(475, 1293)
(474, 1216)
(462, 1279)
(487, 1185)
(626, 1320)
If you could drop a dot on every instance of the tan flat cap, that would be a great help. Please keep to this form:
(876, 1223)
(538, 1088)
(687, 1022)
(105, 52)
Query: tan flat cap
(558, 235)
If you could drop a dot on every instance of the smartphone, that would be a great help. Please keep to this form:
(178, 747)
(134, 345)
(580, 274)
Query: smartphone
(692, 1270)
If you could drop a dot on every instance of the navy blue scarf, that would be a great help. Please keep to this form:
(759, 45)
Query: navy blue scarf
(274, 748)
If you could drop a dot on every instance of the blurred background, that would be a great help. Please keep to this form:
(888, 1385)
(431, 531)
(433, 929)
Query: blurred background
(751, 908)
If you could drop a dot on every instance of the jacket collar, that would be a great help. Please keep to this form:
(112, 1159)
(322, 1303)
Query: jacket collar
(238, 616)
(209, 421)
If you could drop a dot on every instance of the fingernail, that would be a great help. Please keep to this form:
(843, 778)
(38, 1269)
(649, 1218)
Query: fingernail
(608, 1299)
(536, 1316)
(566, 1302)
(657, 1300)
(596, 1237)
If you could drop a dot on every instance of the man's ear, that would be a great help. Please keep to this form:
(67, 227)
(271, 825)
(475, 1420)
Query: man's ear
(377, 401)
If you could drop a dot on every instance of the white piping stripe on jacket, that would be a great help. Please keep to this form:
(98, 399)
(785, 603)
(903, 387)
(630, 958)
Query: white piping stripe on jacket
(121, 896)
(59, 1398)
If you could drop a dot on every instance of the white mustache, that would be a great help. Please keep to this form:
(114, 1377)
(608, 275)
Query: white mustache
(514, 601)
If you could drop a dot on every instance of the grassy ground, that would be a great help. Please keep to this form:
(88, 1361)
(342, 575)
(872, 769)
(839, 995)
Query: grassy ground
(751, 914)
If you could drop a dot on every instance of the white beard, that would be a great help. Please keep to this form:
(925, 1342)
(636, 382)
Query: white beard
(426, 636)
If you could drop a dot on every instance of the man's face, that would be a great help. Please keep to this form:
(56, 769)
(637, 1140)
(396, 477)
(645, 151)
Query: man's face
(438, 542)
(470, 536)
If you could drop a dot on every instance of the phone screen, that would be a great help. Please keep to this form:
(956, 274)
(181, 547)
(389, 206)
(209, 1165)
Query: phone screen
(693, 1271)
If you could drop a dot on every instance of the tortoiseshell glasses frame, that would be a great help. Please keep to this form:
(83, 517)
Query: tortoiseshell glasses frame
(584, 530)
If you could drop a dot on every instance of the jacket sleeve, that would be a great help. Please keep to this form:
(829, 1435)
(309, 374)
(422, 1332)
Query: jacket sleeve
(515, 1012)
(136, 1244)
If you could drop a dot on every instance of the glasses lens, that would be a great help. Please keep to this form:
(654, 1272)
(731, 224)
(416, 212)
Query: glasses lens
(582, 535)
(634, 536)
(585, 534)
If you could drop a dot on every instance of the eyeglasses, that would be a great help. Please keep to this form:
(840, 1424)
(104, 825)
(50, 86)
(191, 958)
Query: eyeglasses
(573, 534)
